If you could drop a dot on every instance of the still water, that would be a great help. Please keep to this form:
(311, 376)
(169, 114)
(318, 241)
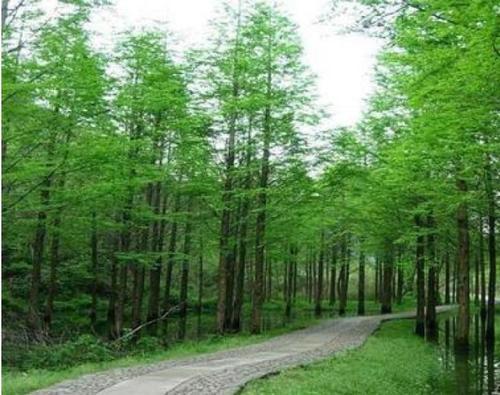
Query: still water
(477, 371)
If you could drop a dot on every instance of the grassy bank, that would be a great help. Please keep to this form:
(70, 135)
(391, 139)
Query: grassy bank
(392, 362)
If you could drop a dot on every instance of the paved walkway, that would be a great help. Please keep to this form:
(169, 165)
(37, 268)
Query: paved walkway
(225, 372)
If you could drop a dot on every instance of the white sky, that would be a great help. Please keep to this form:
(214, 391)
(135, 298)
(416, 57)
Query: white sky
(343, 63)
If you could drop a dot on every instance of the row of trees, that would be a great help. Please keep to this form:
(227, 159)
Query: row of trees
(126, 173)
(431, 139)
(119, 168)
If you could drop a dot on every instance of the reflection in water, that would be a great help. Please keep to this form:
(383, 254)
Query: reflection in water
(475, 370)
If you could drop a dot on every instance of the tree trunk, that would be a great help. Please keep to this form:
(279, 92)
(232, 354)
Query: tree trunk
(308, 278)
(5, 13)
(95, 266)
(153, 199)
(200, 277)
(287, 283)
(476, 279)
(333, 275)
(33, 319)
(482, 270)
(226, 249)
(431, 318)
(361, 283)
(54, 263)
(420, 263)
(447, 298)
(260, 232)
(400, 285)
(183, 295)
(241, 263)
(319, 288)
(386, 307)
(462, 335)
(454, 281)
(171, 254)
(269, 292)
(343, 281)
(314, 276)
(125, 238)
(491, 193)
(114, 245)
(294, 282)
(137, 296)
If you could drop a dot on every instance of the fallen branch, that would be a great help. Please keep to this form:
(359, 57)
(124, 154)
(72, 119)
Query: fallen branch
(162, 317)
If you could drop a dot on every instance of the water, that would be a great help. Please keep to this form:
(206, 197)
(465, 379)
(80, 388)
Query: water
(476, 371)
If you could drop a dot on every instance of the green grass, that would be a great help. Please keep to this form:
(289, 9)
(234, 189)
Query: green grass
(392, 362)
(19, 383)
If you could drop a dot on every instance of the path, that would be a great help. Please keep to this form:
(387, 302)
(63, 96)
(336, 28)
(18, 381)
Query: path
(225, 372)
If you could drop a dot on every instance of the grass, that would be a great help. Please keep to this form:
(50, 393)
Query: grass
(23, 382)
(392, 362)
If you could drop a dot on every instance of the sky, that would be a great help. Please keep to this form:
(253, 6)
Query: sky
(343, 63)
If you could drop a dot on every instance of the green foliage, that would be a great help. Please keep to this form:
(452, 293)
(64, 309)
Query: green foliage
(84, 349)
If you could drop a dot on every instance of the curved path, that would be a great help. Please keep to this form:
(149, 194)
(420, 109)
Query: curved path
(225, 372)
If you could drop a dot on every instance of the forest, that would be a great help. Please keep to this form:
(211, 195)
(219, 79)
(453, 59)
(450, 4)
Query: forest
(142, 187)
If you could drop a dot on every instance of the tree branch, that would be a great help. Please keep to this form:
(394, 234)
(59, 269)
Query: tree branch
(161, 318)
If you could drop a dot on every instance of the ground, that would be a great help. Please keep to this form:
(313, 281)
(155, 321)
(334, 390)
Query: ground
(226, 372)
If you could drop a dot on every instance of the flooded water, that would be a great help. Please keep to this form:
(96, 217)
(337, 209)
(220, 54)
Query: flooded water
(476, 371)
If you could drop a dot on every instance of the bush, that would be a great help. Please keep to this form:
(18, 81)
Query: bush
(85, 348)
(148, 344)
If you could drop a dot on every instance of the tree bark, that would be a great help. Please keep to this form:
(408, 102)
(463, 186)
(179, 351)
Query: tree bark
(361, 282)
(260, 232)
(333, 275)
(431, 317)
(200, 277)
(447, 298)
(226, 248)
(242, 259)
(33, 319)
(54, 263)
(153, 200)
(462, 334)
(269, 279)
(111, 317)
(482, 274)
(420, 263)
(319, 288)
(343, 281)
(386, 307)
(94, 258)
(171, 254)
(491, 193)
(400, 285)
(186, 252)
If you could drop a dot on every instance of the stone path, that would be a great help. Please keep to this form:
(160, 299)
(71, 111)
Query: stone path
(225, 372)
